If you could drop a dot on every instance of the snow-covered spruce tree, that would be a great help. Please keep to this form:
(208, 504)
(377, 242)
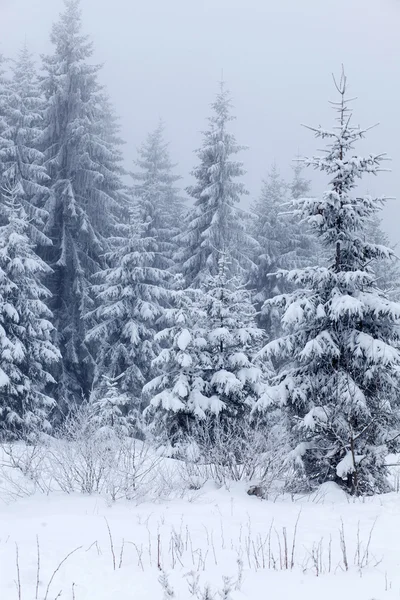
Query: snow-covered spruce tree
(207, 369)
(309, 248)
(233, 341)
(4, 102)
(283, 243)
(109, 412)
(110, 210)
(82, 162)
(156, 194)
(215, 223)
(271, 229)
(130, 296)
(22, 168)
(178, 394)
(27, 353)
(4, 87)
(339, 382)
(387, 271)
(300, 186)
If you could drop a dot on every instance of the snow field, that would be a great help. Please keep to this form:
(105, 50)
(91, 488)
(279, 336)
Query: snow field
(324, 546)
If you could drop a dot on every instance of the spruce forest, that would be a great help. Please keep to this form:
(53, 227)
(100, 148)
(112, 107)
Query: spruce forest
(259, 339)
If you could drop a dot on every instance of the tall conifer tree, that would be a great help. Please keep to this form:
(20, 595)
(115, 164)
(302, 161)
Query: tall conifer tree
(206, 370)
(340, 347)
(215, 224)
(82, 161)
(131, 295)
(156, 194)
(283, 242)
(22, 163)
(27, 354)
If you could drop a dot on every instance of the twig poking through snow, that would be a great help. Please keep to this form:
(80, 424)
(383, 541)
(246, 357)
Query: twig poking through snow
(56, 571)
(38, 568)
(111, 544)
(18, 572)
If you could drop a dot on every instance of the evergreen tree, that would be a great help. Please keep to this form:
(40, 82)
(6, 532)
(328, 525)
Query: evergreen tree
(233, 341)
(111, 207)
(4, 86)
(387, 271)
(207, 368)
(22, 169)
(309, 250)
(82, 161)
(4, 103)
(283, 243)
(341, 371)
(109, 411)
(26, 350)
(179, 392)
(131, 295)
(299, 187)
(156, 195)
(276, 246)
(215, 224)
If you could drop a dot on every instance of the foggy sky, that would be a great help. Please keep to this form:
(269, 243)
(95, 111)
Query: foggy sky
(163, 58)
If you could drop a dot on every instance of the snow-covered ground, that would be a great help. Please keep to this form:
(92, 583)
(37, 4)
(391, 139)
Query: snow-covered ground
(120, 550)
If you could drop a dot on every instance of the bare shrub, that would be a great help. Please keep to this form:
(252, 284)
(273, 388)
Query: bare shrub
(85, 460)
(244, 450)
(80, 459)
(22, 469)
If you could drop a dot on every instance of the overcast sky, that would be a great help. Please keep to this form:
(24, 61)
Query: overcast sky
(163, 58)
